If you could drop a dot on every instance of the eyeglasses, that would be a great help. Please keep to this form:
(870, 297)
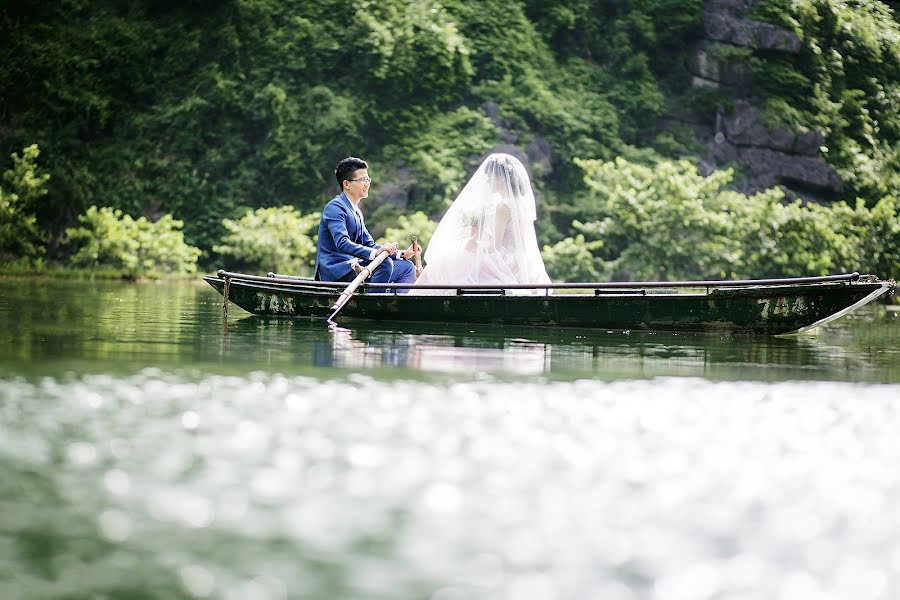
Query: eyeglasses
(363, 179)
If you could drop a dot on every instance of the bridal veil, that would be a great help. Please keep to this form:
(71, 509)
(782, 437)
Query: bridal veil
(487, 235)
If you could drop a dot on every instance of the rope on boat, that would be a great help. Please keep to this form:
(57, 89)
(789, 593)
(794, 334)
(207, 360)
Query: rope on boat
(225, 298)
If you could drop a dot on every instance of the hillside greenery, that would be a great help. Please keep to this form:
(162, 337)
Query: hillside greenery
(202, 113)
(845, 82)
(23, 186)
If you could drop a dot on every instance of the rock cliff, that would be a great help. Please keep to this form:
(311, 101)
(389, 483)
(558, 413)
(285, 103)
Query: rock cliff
(763, 153)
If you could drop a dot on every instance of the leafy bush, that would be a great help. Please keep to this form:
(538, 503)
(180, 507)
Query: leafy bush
(20, 237)
(109, 239)
(417, 224)
(571, 260)
(277, 239)
(670, 222)
(878, 232)
(793, 239)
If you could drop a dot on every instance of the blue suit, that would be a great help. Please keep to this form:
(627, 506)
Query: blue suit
(343, 237)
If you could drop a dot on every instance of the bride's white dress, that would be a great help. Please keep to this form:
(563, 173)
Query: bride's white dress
(487, 236)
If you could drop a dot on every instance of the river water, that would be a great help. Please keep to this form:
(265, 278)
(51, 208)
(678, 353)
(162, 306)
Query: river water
(150, 450)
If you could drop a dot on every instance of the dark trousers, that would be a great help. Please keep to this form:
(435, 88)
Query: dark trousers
(389, 271)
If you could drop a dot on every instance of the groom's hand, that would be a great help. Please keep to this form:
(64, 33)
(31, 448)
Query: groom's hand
(390, 248)
(412, 251)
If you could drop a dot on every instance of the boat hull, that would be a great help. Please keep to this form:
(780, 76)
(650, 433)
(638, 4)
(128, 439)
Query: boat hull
(761, 310)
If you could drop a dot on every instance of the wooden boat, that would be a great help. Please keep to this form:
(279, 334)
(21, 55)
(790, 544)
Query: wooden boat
(760, 306)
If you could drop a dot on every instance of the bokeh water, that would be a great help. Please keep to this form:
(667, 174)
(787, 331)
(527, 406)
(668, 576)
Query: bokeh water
(149, 451)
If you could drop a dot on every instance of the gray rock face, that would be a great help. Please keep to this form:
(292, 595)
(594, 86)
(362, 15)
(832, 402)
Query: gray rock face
(766, 154)
(771, 155)
(750, 34)
(712, 66)
(394, 187)
(731, 7)
(723, 22)
(745, 127)
(537, 156)
(809, 143)
(506, 134)
(767, 168)
(540, 156)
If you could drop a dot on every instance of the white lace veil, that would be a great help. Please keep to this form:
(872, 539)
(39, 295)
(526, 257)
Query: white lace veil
(487, 235)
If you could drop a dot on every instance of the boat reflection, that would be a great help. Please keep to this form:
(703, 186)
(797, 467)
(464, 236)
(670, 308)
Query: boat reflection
(558, 352)
(429, 352)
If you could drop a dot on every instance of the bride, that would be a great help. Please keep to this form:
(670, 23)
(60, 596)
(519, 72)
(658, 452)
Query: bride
(487, 236)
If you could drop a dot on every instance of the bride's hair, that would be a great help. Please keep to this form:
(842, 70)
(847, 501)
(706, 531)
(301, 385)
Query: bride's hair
(501, 170)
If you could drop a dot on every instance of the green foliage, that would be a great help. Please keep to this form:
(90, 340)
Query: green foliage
(417, 224)
(277, 239)
(845, 82)
(109, 239)
(878, 231)
(24, 186)
(704, 100)
(201, 110)
(441, 156)
(648, 208)
(410, 52)
(670, 222)
(792, 239)
(571, 259)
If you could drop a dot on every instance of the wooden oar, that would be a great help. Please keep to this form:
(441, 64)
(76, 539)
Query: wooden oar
(348, 293)
(415, 243)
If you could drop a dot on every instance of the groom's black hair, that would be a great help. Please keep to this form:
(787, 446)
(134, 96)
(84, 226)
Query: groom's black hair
(346, 168)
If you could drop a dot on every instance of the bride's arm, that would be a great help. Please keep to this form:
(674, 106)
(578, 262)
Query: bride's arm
(501, 222)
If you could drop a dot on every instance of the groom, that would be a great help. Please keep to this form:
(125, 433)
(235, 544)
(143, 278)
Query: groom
(344, 239)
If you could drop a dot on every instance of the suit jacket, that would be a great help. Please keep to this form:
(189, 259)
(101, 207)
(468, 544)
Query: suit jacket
(341, 240)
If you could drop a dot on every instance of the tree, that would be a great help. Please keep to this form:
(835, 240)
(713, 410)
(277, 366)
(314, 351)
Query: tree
(571, 260)
(670, 222)
(277, 239)
(417, 224)
(107, 238)
(25, 185)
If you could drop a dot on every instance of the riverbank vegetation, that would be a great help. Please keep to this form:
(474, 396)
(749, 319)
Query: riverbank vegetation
(164, 137)
(627, 221)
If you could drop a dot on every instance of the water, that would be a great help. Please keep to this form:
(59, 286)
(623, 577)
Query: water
(149, 451)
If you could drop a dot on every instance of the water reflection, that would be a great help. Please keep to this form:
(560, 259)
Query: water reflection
(554, 352)
(44, 319)
(432, 352)
(48, 326)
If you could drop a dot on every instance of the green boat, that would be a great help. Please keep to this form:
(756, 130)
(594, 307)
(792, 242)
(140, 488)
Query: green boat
(756, 306)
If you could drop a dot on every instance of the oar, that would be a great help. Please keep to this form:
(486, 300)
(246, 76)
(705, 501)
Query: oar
(347, 293)
(415, 243)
